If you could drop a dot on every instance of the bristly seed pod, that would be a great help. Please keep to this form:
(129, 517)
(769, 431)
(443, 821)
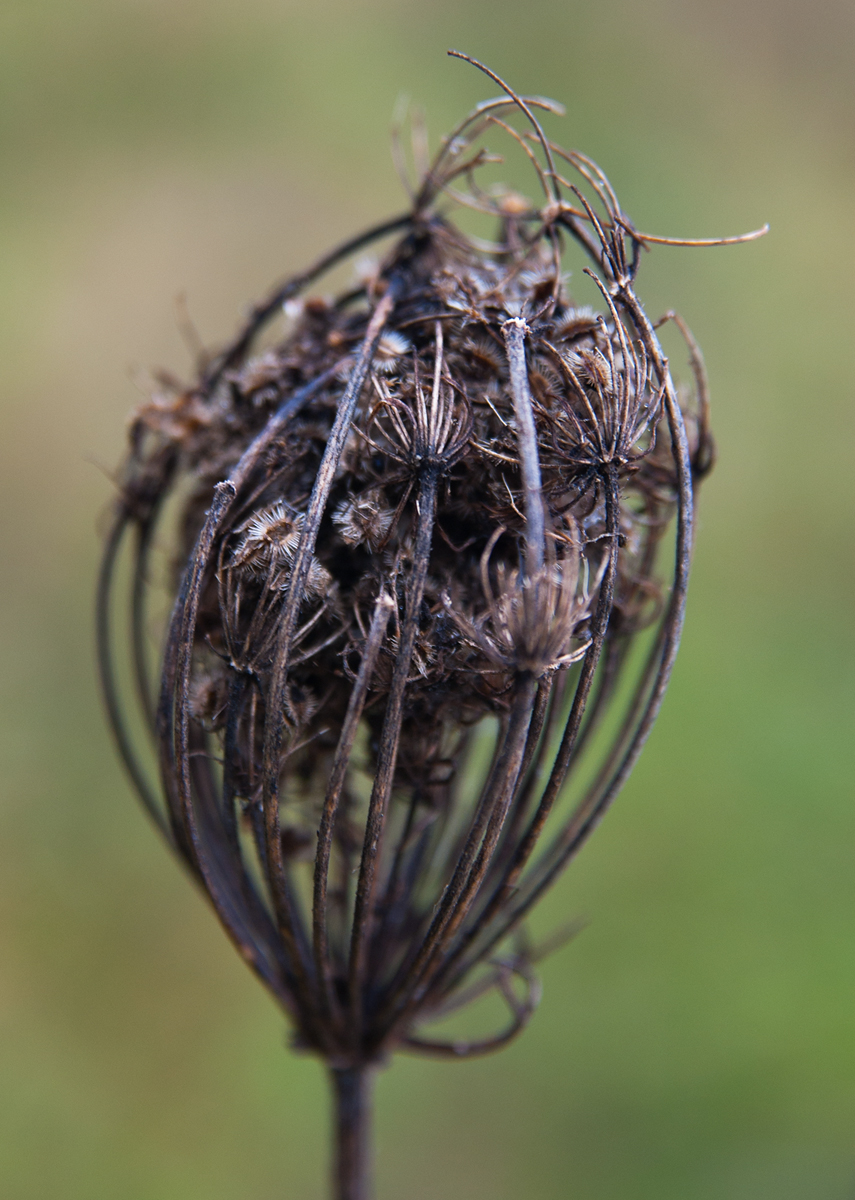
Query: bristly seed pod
(434, 510)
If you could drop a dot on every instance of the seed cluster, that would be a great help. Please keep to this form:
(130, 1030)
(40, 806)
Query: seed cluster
(432, 509)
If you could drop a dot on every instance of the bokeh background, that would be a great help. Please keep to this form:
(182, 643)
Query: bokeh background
(697, 1041)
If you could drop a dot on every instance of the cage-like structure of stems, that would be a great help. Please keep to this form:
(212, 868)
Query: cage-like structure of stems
(416, 549)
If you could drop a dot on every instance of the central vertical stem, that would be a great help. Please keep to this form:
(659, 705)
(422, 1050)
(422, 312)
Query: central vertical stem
(514, 331)
(352, 1118)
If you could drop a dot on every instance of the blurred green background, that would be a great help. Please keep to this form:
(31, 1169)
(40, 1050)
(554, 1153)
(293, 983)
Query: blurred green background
(697, 1041)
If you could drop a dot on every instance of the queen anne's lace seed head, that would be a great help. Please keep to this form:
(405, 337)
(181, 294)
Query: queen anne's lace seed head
(438, 507)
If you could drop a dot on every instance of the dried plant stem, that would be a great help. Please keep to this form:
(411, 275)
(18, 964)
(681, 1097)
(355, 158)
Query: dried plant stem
(388, 750)
(351, 1087)
(337, 778)
(535, 535)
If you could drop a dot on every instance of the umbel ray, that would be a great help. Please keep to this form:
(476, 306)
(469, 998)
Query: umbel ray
(429, 552)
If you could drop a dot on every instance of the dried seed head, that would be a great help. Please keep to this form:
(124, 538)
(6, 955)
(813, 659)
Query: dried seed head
(317, 583)
(576, 323)
(390, 348)
(532, 620)
(270, 538)
(364, 520)
(436, 508)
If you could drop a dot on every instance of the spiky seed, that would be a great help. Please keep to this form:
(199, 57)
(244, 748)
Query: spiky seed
(269, 539)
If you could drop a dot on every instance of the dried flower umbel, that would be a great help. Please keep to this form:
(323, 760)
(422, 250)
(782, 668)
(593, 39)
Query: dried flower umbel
(419, 533)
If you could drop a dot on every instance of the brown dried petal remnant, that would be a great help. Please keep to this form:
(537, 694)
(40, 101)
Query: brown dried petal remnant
(428, 526)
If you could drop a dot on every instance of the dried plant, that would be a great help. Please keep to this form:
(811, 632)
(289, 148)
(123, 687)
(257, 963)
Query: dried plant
(414, 541)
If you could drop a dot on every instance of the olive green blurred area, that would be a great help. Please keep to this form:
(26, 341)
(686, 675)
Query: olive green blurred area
(697, 1040)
